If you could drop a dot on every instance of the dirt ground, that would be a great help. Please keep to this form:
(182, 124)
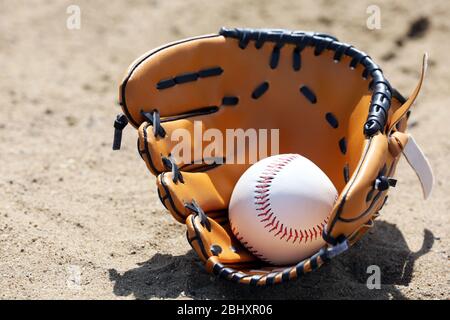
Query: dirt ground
(70, 206)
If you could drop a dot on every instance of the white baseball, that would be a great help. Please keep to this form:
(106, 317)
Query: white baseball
(279, 208)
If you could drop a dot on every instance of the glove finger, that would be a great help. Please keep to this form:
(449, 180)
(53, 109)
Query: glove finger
(211, 190)
(203, 141)
(201, 71)
(216, 239)
(360, 199)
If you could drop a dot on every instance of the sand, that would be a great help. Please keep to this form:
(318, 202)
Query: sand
(79, 221)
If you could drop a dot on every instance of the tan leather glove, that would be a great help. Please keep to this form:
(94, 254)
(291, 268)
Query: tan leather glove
(330, 102)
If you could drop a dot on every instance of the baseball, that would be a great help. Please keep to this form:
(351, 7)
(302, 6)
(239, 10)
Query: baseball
(279, 208)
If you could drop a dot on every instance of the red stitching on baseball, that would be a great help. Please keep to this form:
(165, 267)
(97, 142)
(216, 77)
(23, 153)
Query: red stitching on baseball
(275, 227)
(264, 207)
(284, 233)
(281, 230)
(301, 236)
(262, 201)
(262, 197)
(315, 232)
(249, 248)
(296, 235)
(267, 218)
(290, 235)
(263, 214)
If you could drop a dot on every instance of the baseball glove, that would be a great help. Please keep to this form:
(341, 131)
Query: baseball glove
(330, 102)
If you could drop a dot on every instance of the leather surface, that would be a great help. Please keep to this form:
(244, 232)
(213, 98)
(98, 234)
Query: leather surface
(304, 129)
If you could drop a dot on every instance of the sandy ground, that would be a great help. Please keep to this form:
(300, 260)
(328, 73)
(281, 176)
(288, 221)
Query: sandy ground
(70, 205)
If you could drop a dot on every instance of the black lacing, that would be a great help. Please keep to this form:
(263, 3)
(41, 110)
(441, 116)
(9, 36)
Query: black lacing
(169, 164)
(195, 208)
(382, 90)
(119, 124)
(154, 119)
(383, 183)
